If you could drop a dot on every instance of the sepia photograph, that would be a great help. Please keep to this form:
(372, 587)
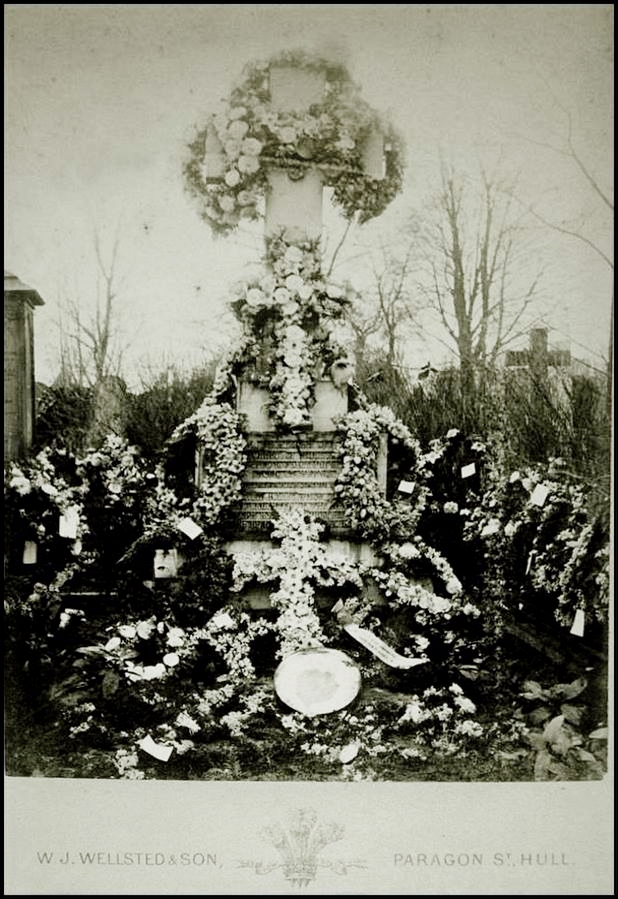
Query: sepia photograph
(308, 317)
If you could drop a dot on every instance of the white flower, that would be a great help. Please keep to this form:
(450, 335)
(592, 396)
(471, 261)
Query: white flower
(465, 704)
(237, 112)
(171, 659)
(127, 631)
(175, 637)
(226, 202)
(511, 528)
(232, 149)
(248, 164)
(453, 586)
(21, 484)
(452, 433)
(145, 629)
(237, 129)
(493, 526)
(345, 142)
(408, 551)
(294, 283)
(469, 728)
(293, 256)
(221, 620)
(185, 720)
(413, 713)
(268, 284)
(282, 295)
(245, 198)
(232, 177)
(305, 292)
(287, 134)
(152, 672)
(290, 307)
(255, 297)
(450, 508)
(470, 609)
(251, 146)
(335, 293)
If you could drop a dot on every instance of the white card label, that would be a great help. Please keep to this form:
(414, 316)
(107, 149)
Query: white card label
(165, 563)
(157, 750)
(577, 628)
(539, 495)
(468, 470)
(190, 528)
(30, 551)
(68, 524)
(406, 486)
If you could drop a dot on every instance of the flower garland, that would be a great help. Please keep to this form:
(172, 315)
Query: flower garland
(222, 444)
(357, 489)
(248, 136)
(288, 342)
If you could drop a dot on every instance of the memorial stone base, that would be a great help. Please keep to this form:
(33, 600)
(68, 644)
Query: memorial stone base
(292, 471)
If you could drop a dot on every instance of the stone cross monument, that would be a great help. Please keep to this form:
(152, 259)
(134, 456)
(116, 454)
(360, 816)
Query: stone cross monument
(299, 468)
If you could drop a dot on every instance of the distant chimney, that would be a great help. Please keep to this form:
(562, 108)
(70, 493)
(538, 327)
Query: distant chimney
(538, 353)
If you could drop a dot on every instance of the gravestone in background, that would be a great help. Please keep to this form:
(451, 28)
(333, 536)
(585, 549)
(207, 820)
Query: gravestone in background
(19, 396)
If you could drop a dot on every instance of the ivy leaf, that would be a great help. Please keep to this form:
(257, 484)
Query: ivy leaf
(537, 716)
(553, 729)
(570, 691)
(572, 713)
(110, 683)
(91, 650)
(541, 765)
(586, 756)
(533, 690)
(559, 769)
(601, 733)
(469, 671)
(557, 736)
(537, 742)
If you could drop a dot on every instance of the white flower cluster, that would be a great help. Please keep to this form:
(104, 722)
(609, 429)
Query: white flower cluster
(439, 718)
(296, 567)
(227, 168)
(223, 458)
(295, 298)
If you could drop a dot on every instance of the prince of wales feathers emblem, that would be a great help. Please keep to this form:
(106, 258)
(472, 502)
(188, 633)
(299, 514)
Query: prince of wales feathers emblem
(299, 842)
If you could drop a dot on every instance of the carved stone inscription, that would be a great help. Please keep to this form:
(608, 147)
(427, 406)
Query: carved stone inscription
(289, 472)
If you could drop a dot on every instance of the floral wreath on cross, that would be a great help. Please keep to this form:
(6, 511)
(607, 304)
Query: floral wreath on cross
(331, 135)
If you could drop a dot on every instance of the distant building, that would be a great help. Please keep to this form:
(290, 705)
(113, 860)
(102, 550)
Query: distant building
(19, 391)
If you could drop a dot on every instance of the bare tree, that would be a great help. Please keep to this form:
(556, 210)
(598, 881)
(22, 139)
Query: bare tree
(91, 348)
(475, 284)
(566, 147)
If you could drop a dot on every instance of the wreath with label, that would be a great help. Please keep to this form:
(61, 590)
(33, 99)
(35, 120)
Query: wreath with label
(227, 163)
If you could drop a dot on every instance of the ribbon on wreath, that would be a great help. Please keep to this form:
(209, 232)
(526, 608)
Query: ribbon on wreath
(374, 644)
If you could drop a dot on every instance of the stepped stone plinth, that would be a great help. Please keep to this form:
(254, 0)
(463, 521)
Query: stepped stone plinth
(289, 471)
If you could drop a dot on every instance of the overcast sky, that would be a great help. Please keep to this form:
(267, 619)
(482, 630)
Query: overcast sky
(102, 99)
